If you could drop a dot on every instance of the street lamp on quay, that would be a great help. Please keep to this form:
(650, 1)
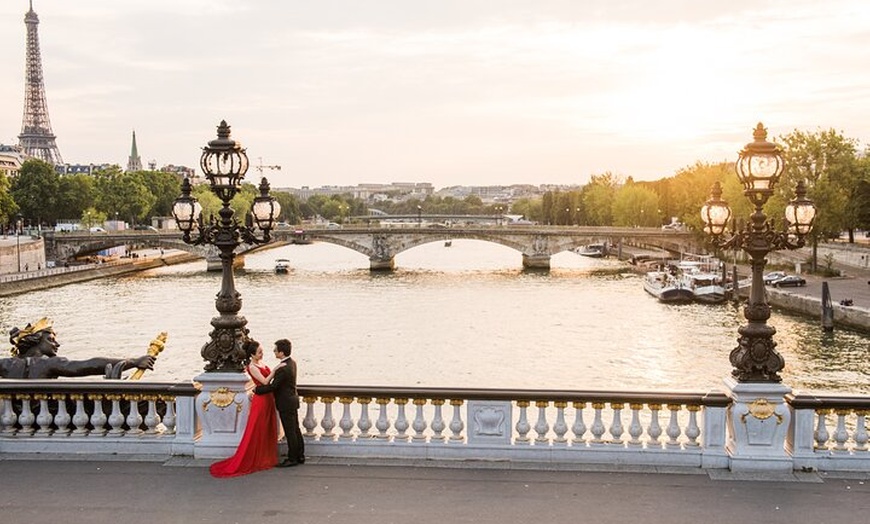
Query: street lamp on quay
(759, 167)
(18, 224)
(419, 216)
(224, 163)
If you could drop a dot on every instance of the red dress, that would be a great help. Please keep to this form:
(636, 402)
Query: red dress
(258, 449)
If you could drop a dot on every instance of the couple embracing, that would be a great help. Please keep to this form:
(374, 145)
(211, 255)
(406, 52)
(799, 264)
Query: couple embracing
(275, 388)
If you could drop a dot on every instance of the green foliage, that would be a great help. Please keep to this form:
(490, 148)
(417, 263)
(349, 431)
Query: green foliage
(8, 207)
(634, 205)
(290, 210)
(597, 198)
(77, 193)
(125, 194)
(165, 187)
(35, 191)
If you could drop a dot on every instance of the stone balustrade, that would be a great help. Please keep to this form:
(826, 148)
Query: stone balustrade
(829, 433)
(507, 426)
(105, 417)
(502, 428)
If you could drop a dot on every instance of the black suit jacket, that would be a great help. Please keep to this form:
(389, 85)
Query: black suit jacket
(283, 386)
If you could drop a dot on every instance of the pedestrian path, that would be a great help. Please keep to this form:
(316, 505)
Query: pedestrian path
(52, 491)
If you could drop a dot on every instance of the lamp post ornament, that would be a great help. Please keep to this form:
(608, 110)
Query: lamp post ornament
(759, 167)
(224, 163)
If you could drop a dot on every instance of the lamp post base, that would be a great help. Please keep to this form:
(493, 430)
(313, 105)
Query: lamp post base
(222, 407)
(758, 421)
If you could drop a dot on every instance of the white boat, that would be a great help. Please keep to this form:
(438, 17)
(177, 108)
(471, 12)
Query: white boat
(701, 277)
(282, 265)
(667, 287)
(592, 250)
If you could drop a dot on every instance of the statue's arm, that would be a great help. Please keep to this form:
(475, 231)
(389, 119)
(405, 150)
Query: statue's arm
(97, 365)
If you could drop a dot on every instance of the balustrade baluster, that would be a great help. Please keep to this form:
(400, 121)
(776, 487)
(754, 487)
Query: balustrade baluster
(98, 417)
(346, 421)
(674, 430)
(9, 417)
(116, 419)
(44, 418)
(310, 421)
(456, 425)
(635, 429)
(62, 419)
(841, 436)
(692, 430)
(152, 419)
(80, 417)
(419, 424)
(401, 421)
(616, 428)
(541, 426)
(134, 418)
(655, 429)
(560, 427)
(328, 421)
(821, 434)
(861, 431)
(597, 424)
(438, 424)
(579, 427)
(169, 418)
(365, 423)
(26, 419)
(523, 426)
(383, 422)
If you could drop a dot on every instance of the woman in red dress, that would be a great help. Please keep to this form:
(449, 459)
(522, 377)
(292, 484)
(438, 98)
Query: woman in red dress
(258, 449)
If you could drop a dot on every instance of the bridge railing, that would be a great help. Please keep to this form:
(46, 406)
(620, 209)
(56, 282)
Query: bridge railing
(829, 433)
(542, 427)
(550, 427)
(90, 417)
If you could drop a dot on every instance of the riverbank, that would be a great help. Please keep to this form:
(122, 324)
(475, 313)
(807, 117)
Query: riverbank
(50, 278)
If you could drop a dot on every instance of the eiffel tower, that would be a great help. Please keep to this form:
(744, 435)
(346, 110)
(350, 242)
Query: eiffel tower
(36, 138)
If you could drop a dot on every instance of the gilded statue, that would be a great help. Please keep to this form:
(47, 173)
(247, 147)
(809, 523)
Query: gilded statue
(34, 355)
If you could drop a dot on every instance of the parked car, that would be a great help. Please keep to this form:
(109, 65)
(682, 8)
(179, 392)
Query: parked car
(772, 276)
(333, 225)
(789, 281)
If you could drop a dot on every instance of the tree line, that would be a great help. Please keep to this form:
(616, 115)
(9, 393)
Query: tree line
(837, 175)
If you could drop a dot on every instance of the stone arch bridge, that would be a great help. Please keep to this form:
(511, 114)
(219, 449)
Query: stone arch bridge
(537, 244)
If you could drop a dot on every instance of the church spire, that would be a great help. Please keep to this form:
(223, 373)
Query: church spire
(134, 162)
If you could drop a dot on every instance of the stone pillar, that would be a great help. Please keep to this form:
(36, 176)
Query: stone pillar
(382, 264)
(222, 407)
(758, 422)
(536, 261)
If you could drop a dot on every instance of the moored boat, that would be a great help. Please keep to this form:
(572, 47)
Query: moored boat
(282, 266)
(666, 287)
(592, 250)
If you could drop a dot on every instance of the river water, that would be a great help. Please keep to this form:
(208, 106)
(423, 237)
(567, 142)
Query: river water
(460, 316)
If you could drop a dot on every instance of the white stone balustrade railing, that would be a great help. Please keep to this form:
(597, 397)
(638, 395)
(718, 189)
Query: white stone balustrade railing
(68, 416)
(829, 433)
(559, 427)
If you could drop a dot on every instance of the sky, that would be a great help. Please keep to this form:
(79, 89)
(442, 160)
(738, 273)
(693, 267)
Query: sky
(465, 92)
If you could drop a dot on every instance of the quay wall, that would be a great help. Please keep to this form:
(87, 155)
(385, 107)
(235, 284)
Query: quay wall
(32, 251)
(854, 317)
(98, 271)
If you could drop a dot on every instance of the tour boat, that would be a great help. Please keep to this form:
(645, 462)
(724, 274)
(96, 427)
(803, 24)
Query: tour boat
(592, 250)
(667, 287)
(702, 278)
(282, 265)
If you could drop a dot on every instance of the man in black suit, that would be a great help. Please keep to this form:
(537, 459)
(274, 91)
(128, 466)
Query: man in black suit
(283, 386)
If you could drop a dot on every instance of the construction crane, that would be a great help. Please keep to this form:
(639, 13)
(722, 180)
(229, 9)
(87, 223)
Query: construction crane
(260, 167)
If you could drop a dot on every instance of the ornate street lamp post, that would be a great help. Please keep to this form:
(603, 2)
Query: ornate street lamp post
(224, 164)
(759, 167)
(18, 239)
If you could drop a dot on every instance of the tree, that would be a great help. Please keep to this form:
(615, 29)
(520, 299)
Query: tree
(165, 187)
(598, 197)
(634, 205)
(35, 191)
(289, 207)
(77, 193)
(826, 161)
(123, 193)
(8, 207)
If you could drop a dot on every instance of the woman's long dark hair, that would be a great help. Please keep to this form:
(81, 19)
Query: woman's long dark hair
(250, 346)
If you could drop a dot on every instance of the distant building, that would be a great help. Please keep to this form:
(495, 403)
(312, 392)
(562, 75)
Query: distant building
(134, 161)
(11, 158)
(82, 169)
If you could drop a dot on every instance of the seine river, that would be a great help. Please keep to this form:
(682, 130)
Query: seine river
(460, 316)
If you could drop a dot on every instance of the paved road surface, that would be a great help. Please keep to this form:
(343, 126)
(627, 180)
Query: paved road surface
(52, 491)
